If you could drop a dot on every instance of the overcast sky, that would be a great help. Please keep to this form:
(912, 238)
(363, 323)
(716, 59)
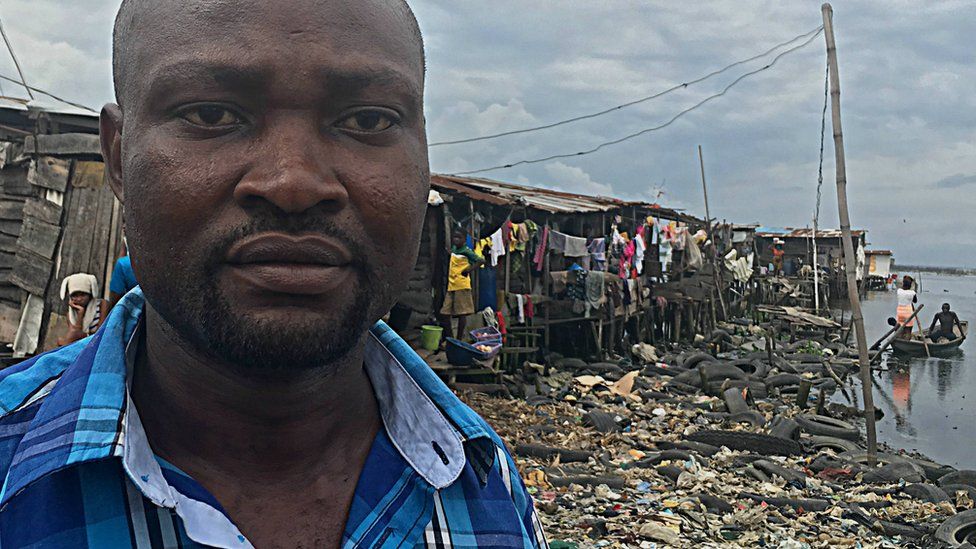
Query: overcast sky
(907, 74)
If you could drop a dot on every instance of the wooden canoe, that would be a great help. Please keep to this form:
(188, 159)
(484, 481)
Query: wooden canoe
(915, 346)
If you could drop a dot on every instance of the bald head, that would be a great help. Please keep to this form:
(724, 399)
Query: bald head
(294, 120)
(128, 37)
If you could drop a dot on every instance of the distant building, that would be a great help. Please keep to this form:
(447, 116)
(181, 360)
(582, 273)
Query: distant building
(879, 262)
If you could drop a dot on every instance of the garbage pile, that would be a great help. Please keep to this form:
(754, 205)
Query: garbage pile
(740, 448)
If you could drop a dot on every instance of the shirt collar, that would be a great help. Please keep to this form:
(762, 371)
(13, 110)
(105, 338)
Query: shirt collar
(84, 417)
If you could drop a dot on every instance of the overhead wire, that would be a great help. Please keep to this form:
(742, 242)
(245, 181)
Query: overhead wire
(51, 95)
(655, 128)
(823, 133)
(672, 89)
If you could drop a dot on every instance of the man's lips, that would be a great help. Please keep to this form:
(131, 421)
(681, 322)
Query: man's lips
(287, 264)
(284, 249)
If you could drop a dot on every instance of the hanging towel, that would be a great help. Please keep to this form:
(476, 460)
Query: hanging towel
(641, 246)
(598, 254)
(520, 299)
(497, 247)
(529, 307)
(569, 246)
(487, 288)
(540, 252)
(595, 293)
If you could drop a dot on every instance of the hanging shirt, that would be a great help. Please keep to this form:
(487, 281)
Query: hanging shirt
(497, 246)
(79, 471)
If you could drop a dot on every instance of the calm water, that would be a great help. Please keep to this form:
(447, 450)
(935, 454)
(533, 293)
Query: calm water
(928, 402)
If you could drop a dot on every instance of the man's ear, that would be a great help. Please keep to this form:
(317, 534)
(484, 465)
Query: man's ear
(110, 133)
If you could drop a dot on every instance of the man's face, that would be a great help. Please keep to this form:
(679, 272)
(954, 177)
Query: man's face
(274, 164)
(945, 308)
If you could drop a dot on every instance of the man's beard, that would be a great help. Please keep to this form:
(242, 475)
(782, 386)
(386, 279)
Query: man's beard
(283, 343)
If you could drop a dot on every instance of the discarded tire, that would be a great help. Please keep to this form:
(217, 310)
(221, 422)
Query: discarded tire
(546, 452)
(748, 442)
(751, 417)
(570, 364)
(714, 504)
(695, 359)
(815, 505)
(861, 457)
(753, 368)
(894, 472)
(784, 427)
(734, 401)
(828, 427)
(952, 489)
(782, 380)
(602, 422)
(964, 476)
(926, 492)
(839, 445)
(959, 529)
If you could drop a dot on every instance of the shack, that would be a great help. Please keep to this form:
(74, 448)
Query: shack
(531, 269)
(879, 268)
(58, 216)
(798, 245)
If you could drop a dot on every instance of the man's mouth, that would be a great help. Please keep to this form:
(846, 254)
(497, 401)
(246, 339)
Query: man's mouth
(291, 264)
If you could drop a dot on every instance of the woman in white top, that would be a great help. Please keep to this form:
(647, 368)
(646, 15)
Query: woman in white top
(907, 298)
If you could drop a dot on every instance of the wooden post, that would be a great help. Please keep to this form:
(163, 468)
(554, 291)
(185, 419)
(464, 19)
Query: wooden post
(857, 319)
(711, 237)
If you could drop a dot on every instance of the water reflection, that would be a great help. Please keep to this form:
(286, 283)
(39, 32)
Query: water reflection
(924, 400)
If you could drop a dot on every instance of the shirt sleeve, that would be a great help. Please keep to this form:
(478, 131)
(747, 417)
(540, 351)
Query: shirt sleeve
(471, 255)
(117, 284)
(535, 536)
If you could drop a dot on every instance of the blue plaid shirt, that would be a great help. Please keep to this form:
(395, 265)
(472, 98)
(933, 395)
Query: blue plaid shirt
(78, 470)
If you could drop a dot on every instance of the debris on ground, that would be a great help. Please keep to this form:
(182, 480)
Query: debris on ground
(736, 449)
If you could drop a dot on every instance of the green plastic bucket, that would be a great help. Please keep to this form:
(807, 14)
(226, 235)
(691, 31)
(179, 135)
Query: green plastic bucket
(430, 337)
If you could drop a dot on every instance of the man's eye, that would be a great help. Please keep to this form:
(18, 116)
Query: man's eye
(211, 116)
(368, 122)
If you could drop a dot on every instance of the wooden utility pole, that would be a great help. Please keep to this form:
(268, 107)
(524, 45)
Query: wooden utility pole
(711, 236)
(857, 319)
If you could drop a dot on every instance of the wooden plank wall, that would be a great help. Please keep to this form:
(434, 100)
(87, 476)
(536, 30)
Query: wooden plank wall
(58, 217)
(90, 241)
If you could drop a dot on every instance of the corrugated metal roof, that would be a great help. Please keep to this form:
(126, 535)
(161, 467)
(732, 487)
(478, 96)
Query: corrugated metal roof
(24, 105)
(547, 200)
(771, 232)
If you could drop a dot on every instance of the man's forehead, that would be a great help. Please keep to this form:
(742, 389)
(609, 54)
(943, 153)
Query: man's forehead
(370, 36)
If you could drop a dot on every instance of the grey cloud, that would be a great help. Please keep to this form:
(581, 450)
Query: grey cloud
(907, 74)
(955, 181)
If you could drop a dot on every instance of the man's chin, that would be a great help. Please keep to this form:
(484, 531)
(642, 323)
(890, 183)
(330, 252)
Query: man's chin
(260, 346)
(285, 338)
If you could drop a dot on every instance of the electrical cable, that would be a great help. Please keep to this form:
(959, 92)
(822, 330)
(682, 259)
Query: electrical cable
(655, 128)
(49, 94)
(823, 132)
(630, 103)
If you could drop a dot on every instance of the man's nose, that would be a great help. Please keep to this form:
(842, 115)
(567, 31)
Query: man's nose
(292, 168)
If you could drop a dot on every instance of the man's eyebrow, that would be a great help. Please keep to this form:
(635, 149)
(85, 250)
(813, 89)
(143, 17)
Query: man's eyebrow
(335, 80)
(222, 75)
(346, 81)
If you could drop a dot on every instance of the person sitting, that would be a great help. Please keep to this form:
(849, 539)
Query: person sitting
(947, 320)
(906, 306)
(85, 311)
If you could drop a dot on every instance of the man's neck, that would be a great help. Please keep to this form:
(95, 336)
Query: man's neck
(203, 415)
